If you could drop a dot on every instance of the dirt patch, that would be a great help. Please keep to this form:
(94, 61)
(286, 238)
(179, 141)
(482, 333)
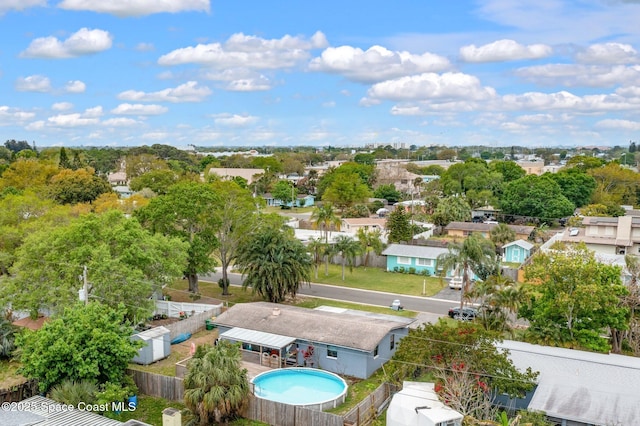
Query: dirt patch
(206, 337)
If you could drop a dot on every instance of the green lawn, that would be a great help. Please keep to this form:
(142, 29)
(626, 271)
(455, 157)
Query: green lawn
(313, 302)
(380, 280)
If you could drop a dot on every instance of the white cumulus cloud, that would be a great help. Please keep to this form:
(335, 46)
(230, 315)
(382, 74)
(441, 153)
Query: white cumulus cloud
(376, 63)
(121, 122)
(139, 109)
(579, 75)
(431, 86)
(82, 42)
(504, 50)
(234, 120)
(62, 106)
(6, 5)
(244, 51)
(75, 86)
(617, 124)
(608, 53)
(33, 83)
(187, 92)
(136, 7)
(12, 116)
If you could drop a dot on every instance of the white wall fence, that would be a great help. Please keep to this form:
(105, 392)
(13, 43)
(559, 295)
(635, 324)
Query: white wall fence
(173, 309)
(192, 324)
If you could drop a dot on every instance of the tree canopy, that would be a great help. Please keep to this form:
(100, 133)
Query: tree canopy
(187, 211)
(87, 342)
(124, 264)
(574, 299)
(537, 197)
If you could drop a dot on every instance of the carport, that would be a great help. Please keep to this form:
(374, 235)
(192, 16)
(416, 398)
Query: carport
(263, 348)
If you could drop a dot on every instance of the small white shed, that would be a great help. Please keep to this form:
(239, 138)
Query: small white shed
(157, 345)
(417, 404)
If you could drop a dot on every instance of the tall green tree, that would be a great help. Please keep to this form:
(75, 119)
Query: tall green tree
(577, 185)
(274, 263)
(473, 254)
(87, 342)
(124, 264)
(77, 186)
(285, 191)
(499, 300)
(348, 248)
(216, 386)
(316, 249)
(537, 197)
(399, 226)
(187, 212)
(346, 191)
(575, 299)
(157, 180)
(451, 209)
(236, 214)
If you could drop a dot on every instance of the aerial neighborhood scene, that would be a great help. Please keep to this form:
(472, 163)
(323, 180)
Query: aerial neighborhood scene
(329, 214)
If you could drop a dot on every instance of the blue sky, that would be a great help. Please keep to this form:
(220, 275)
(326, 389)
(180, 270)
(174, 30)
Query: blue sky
(284, 73)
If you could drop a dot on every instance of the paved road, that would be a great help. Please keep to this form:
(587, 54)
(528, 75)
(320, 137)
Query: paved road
(414, 303)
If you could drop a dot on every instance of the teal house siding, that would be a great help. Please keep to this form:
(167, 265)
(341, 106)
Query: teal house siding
(517, 251)
(420, 258)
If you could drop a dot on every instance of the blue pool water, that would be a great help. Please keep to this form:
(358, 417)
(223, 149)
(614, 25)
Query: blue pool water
(299, 386)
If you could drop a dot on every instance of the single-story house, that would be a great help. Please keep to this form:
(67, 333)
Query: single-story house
(229, 173)
(41, 411)
(578, 388)
(348, 342)
(517, 251)
(352, 225)
(417, 404)
(464, 229)
(302, 200)
(407, 256)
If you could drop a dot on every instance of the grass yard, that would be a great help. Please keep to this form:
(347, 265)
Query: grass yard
(9, 376)
(313, 302)
(379, 280)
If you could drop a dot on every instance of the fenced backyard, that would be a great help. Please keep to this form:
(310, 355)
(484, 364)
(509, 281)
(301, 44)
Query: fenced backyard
(192, 324)
(19, 392)
(167, 387)
(276, 413)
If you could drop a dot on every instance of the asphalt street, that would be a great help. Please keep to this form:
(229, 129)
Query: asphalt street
(434, 305)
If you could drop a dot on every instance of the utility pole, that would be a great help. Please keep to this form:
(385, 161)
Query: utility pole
(85, 284)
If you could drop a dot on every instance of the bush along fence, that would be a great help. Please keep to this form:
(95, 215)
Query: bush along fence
(19, 392)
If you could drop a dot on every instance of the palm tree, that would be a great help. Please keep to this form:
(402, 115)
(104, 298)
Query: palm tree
(473, 254)
(7, 338)
(370, 241)
(316, 248)
(324, 217)
(216, 385)
(348, 248)
(500, 235)
(500, 299)
(274, 263)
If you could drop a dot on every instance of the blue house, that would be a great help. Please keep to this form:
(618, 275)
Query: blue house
(517, 251)
(347, 342)
(303, 200)
(401, 257)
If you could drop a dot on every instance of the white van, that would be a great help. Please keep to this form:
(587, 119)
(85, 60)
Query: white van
(455, 283)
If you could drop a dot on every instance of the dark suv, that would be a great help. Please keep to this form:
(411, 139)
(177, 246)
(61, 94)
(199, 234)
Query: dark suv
(468, 314)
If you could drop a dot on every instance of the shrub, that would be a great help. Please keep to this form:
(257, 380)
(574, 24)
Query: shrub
(412, 270)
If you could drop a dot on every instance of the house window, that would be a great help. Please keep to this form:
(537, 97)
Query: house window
(404, 260)
(424, 262)
(392, 341)
(332, 352)
(375, 352)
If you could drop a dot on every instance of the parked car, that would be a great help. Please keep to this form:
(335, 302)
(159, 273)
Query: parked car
(468, 314)
(455, 283)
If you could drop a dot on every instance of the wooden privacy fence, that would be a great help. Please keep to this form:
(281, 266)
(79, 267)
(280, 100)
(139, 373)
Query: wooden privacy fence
(192, 325)
(19, 392)
(279, 414)
(369, 408)
(167, 387)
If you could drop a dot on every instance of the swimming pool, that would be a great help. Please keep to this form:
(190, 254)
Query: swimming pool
(309, 387)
